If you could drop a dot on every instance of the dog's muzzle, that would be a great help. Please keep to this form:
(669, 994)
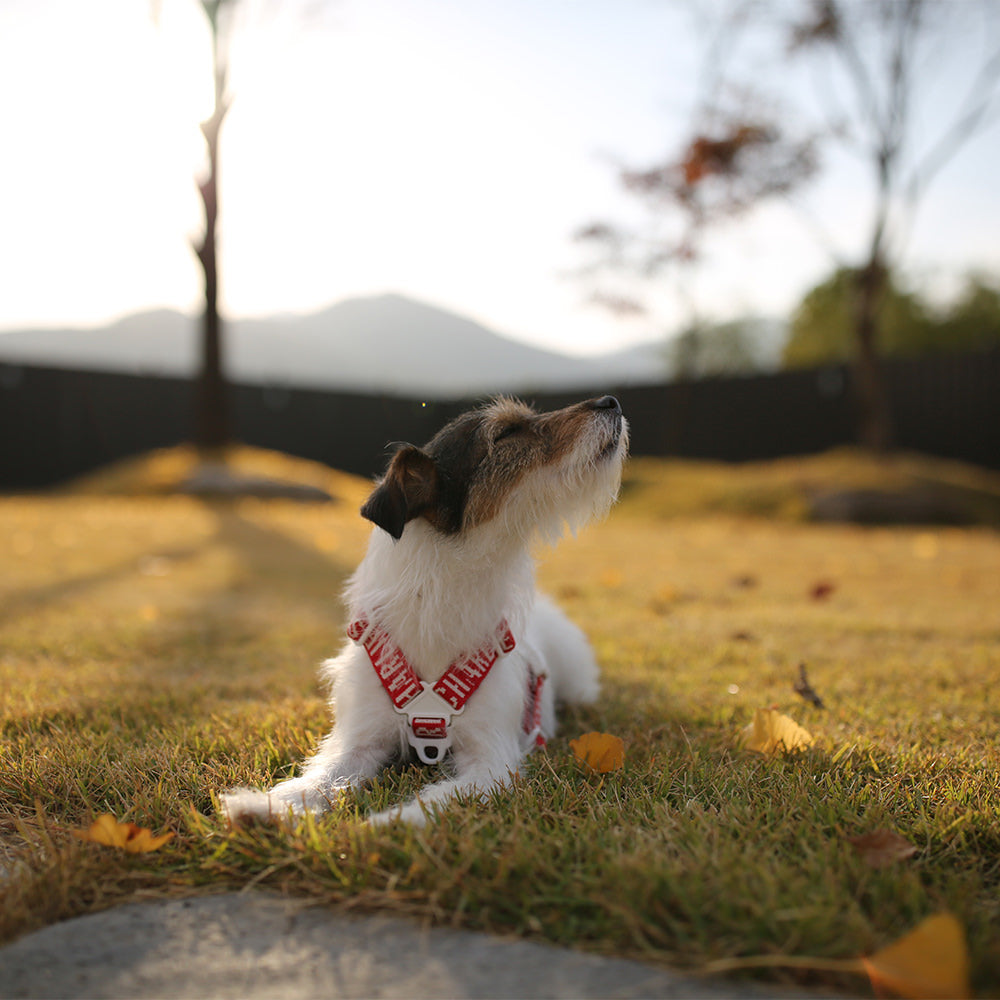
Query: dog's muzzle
(608, 410)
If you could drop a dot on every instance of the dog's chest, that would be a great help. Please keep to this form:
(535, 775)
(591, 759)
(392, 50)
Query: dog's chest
(429, 712)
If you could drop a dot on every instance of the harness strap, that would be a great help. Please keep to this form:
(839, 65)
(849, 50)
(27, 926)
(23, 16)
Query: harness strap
(456, 685)
(462, 679)
(426, 710)
(399, 679)
(532, 722)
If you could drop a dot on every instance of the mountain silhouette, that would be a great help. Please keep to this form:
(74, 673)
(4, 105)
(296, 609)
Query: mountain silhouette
(386, 343)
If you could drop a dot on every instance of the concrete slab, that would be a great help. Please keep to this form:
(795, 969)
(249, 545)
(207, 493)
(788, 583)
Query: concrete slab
(255, 946)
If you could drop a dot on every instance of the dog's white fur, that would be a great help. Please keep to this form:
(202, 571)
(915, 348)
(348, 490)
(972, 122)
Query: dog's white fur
(439, 594)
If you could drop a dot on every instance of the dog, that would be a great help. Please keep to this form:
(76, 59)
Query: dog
(452, 656)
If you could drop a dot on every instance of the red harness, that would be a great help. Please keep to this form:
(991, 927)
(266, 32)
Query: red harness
(428, 709)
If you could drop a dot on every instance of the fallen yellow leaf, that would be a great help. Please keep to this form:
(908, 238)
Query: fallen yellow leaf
(925, 546)
(663, 600)
(931, 961)
(327, 541)
(126, 836)
(772, 733)
(600, 751)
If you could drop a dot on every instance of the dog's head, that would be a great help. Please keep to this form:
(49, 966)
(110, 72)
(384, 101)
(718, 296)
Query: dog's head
(507, 466)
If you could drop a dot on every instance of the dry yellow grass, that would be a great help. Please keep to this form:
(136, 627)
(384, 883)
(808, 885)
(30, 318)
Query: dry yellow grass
(156, 649)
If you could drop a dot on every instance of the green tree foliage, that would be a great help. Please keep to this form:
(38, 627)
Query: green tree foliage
(973, 322)
(822, 327)
(737, 347)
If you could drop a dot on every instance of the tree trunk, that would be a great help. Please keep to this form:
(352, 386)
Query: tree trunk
(212, 413)
(871, 393)
(212, 426)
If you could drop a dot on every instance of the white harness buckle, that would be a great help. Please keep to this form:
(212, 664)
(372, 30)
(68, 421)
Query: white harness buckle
(426, 722)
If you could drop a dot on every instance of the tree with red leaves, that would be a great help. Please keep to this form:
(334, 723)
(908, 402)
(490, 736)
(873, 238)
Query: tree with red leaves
(735, 159)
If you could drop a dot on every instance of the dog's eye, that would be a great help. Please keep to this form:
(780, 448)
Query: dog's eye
(508, 431)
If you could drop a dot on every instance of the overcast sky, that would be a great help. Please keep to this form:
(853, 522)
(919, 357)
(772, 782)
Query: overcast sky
(443, 149)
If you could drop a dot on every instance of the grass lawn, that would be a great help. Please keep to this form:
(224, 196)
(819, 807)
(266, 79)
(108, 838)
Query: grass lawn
(154, 650)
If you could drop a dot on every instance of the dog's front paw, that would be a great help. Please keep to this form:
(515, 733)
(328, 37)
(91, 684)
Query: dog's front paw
(246, 807)
(286, 801)
(413, 813)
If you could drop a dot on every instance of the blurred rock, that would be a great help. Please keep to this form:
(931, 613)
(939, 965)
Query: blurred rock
(213, 480)
(914, 505)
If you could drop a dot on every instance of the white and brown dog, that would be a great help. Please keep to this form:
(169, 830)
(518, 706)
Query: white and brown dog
(451, 650)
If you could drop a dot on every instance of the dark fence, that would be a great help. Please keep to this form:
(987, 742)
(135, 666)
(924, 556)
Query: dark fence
(55, 424)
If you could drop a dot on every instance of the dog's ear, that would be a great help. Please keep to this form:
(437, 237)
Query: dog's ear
(409, 488)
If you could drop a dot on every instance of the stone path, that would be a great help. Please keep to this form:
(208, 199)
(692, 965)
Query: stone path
(255, 946)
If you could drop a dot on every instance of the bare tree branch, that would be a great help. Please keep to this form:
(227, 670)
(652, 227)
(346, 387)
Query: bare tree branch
(975, 116)
(736, 158)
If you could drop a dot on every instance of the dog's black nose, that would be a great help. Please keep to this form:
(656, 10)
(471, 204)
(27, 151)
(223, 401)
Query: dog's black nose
(606, 403)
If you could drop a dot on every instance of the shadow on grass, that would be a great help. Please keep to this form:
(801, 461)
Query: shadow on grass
(261, 552)
(196, 692)
(264, 553)
(216, 651)
(31, 599)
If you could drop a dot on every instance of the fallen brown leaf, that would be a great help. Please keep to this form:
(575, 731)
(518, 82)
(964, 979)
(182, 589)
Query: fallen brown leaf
(882, 847)
(803, 688)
